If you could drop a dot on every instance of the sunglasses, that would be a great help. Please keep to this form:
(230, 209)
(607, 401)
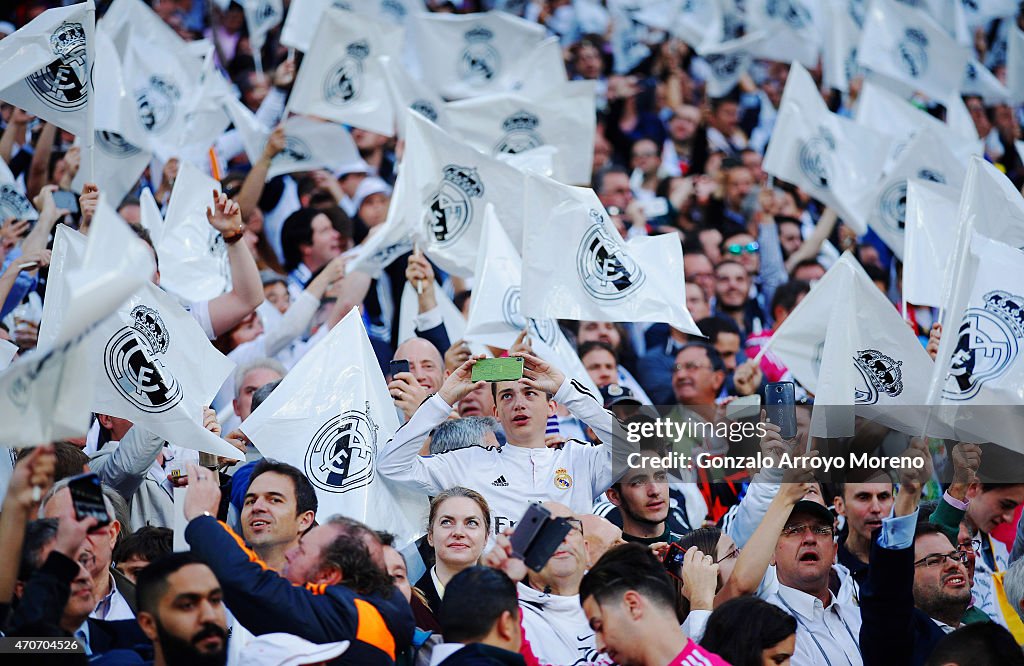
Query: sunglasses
(738, 249)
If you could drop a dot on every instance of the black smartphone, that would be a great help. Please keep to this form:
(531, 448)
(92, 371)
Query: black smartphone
(527, 529)
(87, 497)
(398, 366)
(537, 536)
(780, 406)
(66, 200)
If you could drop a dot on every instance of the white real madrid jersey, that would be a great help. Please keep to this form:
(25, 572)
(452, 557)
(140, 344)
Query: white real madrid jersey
(513, 477)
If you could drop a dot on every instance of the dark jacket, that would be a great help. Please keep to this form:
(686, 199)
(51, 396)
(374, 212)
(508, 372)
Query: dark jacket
(893, 632)
(264, 602)
(426, 604)
(478, 654)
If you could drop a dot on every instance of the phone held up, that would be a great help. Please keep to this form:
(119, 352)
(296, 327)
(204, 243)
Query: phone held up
(780, 406)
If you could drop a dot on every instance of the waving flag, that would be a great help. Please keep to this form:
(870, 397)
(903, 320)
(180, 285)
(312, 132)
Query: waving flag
(46, 67)
(1015, 62)
(543, 71)
(511, 124)
(312, 145)
(924, 158)
(193, 257)
(13, 202)
(928, 244)
(328, 417)
(342, 78)
(473, 54)
(305, 15)
(727, 61)
(833, 158)
(409, 93)
(604, 279)
(793, 30)
(839, 57)
(696, 22)
(978, 80)
(454, 322)
(907, 45)
(261, 16)
(447, 184)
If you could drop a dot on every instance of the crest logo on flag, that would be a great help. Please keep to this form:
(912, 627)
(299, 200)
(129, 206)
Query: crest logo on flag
(912, 52)
(13, 203)
(988, 343)
(114, 144)
(425, 109)
(479, 62)
(816, 158)
(264, 12)
(394, 9)
(451, 206)
(724, 65)
(880, 374)
(132, 364)
(790, 12)
(386, 255)
(63, 84)
(341, 4)
(520, 133)
(157, 101)
(607, 272)
(511, 313)
(892, 205)
(295, 150)
(856, 10)
(340, 455)
(344, 81)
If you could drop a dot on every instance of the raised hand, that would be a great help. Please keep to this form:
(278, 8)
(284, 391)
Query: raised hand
(540, 374)
(460, 383)
(225, 216)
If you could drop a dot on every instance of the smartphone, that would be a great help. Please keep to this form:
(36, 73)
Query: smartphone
(66, 200)
(551, 536)
(673, 561)
(527, 529)
(87, 497)
(399, 366)
(780, 405)
(506, 369)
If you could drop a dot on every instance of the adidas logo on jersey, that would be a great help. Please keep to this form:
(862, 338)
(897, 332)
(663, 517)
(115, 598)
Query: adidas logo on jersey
(500, 482)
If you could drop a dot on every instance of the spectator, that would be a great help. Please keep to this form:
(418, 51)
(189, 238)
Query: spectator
(144, 545)
(455, 434)
(309, 241)
(480, 620)
(279, 507)
(750, 632)
(977, 644)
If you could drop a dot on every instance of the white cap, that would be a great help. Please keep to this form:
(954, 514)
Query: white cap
(359, 165)
(6, 28)
(370, 185)
(289, 650)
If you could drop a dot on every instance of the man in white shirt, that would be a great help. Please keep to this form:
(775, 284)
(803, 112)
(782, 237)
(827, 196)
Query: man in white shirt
(827, 630)
(523, 471)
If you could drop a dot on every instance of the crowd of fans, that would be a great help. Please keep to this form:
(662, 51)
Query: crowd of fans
(918, 568)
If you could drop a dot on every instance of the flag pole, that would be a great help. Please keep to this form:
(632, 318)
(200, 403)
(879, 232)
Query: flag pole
(419, 283)
(90, 105)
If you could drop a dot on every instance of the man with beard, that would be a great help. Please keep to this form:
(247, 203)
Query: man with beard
(733, 301)
(181, 609)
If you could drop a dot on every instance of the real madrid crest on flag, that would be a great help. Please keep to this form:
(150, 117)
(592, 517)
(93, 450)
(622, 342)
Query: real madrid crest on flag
(46, 66)
(988, 342)
(132, 360)
(816, 157)
(340, 455)
(607, 272)
(344, 81)
(520, 133)
(157, 102)
(480, 62)
(913, 52)
(450, 208)
(880, 374)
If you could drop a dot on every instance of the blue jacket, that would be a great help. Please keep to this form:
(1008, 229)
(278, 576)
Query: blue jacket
(264, 602)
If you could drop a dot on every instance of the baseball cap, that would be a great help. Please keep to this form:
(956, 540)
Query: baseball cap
(616, 394)
(359, 165)
(819, 511)
(369, 186)
(288, 650)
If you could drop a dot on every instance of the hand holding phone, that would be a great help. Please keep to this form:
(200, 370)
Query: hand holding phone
(398, 365)
(780, 405)
(87, 498)
(537, 536)
(507, 369)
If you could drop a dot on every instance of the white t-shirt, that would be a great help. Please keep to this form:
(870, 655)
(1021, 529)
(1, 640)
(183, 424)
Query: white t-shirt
(557, 629)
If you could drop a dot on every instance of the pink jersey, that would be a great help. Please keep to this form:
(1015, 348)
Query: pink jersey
(695, 655)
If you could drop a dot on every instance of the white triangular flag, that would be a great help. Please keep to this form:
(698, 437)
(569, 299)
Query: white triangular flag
(150, 217)
(928, 244)
(543, 70)
(839, 55)
(833, 158)
(312, 145)
(409, 93)
(261, 16)
(512, 124)
(342, 78)
(454, 322)
(629, 35)
(978, 80)
(793, 30)
(329, 417)
(907, 45)
(727, 61)
(46, 67)
(1015, 63)
(193, 257)
(304, 16)
(13, 202)
(576, 266)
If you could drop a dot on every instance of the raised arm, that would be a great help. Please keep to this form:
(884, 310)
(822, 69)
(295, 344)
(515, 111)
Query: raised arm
(246, 288)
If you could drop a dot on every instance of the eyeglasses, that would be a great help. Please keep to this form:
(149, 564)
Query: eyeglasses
(689, 365)
(816, 530)
(576, 524)
(975, 545)
(936, 559)
(737, 248)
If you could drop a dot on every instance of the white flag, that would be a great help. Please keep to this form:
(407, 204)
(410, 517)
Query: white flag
(311, 145)
(409, 93)
(833, 158)
(924, 158)
(696, 22)
(447, 185)
(576, 266)
(978, 80)
(512, 124)
(7, 352)
(150, 217)
(980, 12)
(261, 16)
(253, 133)
(793, 30)
(46, 67)
(328, 418)
(391, 240)
(304, 16)
(127, 18)
(342, 78)
(543, 71)
(454, 322)
(906, 44)
(49, 391)
(727, 61)
(13, 202)
(876, 362)
(629, 36)
(193, 257)
(119, 165)
(206, 117)
(839, 57)
(1015, 62)
(473, 54)
(928, 244)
